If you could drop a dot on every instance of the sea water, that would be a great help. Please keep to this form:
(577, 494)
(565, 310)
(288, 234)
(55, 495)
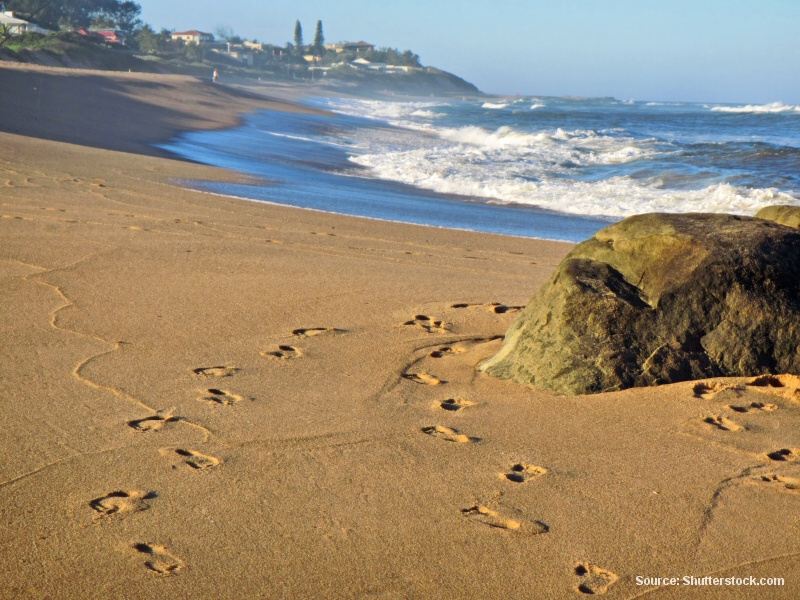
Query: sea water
(555, 168)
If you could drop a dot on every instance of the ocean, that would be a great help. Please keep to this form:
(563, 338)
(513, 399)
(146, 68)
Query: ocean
(551, 168)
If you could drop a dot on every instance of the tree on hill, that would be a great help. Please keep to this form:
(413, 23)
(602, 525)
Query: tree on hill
(151, 41)
(124, 16)
(74, 14)
(319, 40)
(228, 34)
(298, 36)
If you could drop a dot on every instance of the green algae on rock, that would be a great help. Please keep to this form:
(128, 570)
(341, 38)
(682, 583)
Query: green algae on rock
(662, 298)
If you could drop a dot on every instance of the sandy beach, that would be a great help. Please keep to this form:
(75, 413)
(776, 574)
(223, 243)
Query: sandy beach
(205, 397)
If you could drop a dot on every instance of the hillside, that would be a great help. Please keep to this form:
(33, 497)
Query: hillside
(71, 50)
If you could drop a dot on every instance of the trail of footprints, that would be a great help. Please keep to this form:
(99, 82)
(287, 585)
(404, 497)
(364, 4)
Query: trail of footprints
(594, 580)
(784, 386)
(161, 562)
(117, 504)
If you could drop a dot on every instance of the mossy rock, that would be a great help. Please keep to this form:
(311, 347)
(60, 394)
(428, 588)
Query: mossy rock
(662, 298)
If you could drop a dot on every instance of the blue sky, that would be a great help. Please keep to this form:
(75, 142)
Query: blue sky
(742, 51)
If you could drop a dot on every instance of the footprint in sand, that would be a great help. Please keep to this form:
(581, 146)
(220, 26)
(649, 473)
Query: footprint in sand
(522, 472)
(159, 560)
(447, 351)
(453, 404)
(593, 579)
(502, 309)
(216, 371)
(762, 406)
(423, 378)
(198, 460)
(313, 331)
(427, 323)
(119, 503)
(707, 391)
(154, 423)
(784, 454)
(494, 307)
(447, 434)
(493, 518)
(283, 353)
(786, 386)
(790, 483)
(220, 397)
(723, 423)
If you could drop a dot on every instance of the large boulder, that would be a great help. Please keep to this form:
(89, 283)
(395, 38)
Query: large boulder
(661, 298)
(784, 214)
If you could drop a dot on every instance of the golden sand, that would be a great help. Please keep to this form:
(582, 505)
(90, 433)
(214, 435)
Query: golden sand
(203, 397)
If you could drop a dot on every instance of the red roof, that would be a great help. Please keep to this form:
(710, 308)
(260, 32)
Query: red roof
(109, 36)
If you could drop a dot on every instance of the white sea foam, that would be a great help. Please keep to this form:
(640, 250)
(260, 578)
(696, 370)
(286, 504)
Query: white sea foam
(428, 114)
(494, 106)
(543, 169)
(774, 107)
(382, 110)
(537, 105)
(470, 173)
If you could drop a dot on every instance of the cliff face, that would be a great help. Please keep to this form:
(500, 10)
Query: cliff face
(661, 298)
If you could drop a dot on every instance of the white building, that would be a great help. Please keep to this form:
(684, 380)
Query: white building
(362, 64)
(17, 26)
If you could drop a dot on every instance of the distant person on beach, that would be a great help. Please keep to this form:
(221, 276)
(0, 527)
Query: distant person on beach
(215, 77)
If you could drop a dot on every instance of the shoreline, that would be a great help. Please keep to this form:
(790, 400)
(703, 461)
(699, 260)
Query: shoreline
(298, 171)
(71, 105)
(199, 390)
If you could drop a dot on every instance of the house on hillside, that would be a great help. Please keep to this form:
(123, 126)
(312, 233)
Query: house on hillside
(112, 36)
(109, 36)
(359, 46)
(395, 69)
(362, 64)
(237, 52)
(350, 47)
(192, 37)
(18, 26)
(359, 64)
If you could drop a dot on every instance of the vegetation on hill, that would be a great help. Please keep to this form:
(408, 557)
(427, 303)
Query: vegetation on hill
(75, 14)
(146, 49)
